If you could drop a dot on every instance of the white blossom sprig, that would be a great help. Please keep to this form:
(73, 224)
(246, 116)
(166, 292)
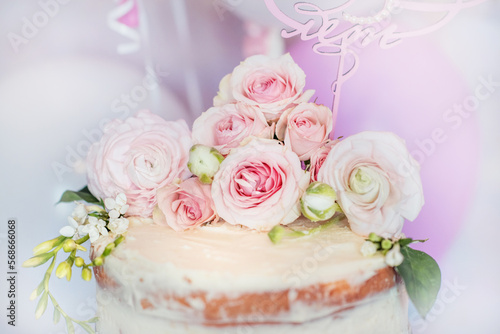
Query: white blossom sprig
(100, 219)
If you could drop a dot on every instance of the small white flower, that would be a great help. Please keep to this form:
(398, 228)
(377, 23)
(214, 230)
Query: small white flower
(70, 230)
(394, 257)
(368, 248)
(121, 199)
(118, 225)
(79, 213)
(113, 214)
(109, 203)
(116, 206)
(95, 229)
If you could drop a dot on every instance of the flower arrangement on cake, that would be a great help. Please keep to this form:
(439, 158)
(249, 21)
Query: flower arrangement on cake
(260, 158)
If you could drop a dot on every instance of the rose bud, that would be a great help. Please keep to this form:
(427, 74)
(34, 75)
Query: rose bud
(318, 202)
(204, 162)
(394, 257)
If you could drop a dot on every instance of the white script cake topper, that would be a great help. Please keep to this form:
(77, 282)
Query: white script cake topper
(339, 33)
(123, 19)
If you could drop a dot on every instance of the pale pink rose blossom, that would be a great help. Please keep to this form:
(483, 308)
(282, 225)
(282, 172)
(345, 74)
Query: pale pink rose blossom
(259, 185)
(377, 182)
(272, 84)
(318, 158)
(185, 205)
(227, 126)
(137, 156)
(305, 128)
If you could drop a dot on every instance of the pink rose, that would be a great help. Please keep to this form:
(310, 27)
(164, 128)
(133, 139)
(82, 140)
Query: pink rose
(259, 185)
(227, 126)
(272, 84)
(137, 156)
(318, 158)
(305, 128)
(377, 182)
(185, 205)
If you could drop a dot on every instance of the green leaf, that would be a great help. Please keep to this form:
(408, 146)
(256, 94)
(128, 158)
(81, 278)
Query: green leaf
(42, 305)
(37, 292)
(87, 328)
(422, 278)
(57, 315)
(69, 326)
(80, 195)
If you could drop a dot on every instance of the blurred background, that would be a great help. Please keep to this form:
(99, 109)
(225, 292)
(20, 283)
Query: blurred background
(68, 67)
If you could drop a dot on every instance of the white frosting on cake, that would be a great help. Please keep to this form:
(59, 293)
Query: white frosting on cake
(231, 258)
(230, 261)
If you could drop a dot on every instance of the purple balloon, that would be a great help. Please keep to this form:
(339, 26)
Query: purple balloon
(414, 91)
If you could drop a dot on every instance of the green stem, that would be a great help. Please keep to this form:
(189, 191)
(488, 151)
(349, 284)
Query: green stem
(64, 314)
(82, 240)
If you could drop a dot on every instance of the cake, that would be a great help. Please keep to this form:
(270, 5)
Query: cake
(227, 279)
(256, 221)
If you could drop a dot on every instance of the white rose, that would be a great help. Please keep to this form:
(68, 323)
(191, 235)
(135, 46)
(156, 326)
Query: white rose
(376, 180)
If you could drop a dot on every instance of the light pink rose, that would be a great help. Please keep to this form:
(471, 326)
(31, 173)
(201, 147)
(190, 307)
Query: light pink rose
(318, 158)
(259, 185)
(227, 126)
(305, 128)
(272, 84)
(185, 205)
(377, 182)
(137, 156)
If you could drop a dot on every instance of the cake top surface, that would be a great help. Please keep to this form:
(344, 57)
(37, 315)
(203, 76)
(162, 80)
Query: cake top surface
(247, 258)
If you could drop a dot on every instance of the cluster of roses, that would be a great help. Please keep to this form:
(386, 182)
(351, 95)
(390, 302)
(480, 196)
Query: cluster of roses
(271, 144)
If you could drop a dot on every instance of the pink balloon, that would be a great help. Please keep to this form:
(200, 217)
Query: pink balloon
(411, 90)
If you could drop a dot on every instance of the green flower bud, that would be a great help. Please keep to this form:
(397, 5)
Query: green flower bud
(98, 261)
(204, 162)
(386, 244)
(318, 202)
(47, 245)
(68, 274)
(69, 245)
(119, 240)
(373, 237)
(62, 269)
(38, 260)
(86, 274)
(79, 262)
(109, 248)
(276, 234)
(81, 248)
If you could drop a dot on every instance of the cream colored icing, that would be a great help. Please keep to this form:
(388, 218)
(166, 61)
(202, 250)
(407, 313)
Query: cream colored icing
(226, 257)
(226, 260)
